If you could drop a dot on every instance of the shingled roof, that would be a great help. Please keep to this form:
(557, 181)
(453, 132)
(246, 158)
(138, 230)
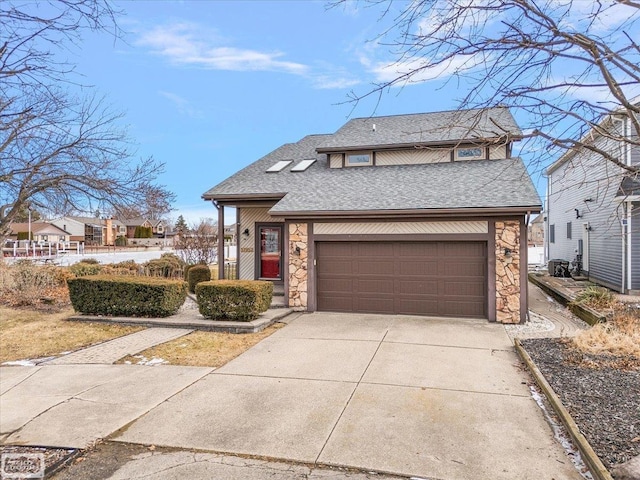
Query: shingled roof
(449, 127)
(475, 184)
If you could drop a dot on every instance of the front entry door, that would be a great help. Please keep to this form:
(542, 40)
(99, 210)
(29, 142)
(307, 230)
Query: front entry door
(270, 262)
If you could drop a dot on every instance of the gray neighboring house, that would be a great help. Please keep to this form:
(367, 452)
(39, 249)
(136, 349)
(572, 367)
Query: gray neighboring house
(592, 209)
(420, 214)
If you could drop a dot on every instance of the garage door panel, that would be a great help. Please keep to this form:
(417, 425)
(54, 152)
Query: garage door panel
(423, 278)
(337, 303)
(418, 266)
(461, 309)
(462, 288)
(417, 287)
(417, 306)
(374, 304)
(374, 249)
(420, 250)
(461, 269)
(379, 268)
(336, 285)
(380, 286)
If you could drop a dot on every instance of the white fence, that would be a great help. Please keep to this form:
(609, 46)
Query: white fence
(31, 249)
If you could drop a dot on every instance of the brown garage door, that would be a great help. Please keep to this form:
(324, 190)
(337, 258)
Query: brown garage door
(426, 278)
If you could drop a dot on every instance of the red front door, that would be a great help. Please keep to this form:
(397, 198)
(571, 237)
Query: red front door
(270, 252)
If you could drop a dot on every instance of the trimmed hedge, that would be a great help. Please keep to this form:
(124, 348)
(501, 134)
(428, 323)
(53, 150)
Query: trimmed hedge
(198, 274)
(167, 266)
(126, 296)
(240, 300)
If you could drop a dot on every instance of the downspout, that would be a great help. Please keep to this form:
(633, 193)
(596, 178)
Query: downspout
(629, 206)
(628, 246)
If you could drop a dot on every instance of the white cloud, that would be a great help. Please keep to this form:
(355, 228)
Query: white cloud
(420, 70)
(188, 44)
(182, 104)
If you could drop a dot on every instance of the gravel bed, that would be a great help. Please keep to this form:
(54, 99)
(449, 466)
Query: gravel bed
(601, 393)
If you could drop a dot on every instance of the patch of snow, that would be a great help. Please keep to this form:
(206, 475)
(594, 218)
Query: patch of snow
(142, 360)
(561, 436)
(21, 363)
(29, 362)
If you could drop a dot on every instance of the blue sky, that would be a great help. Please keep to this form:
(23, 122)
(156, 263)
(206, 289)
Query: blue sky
(208, 87)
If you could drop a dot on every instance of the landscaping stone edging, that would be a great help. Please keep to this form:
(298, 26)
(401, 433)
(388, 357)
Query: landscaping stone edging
(587, 314)
(591, 459)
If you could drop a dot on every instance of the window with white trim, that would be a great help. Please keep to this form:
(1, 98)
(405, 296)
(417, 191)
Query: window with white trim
(470, 153)
(358, 159)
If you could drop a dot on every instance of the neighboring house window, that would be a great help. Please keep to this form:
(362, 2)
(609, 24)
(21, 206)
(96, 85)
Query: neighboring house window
(63, 238)
(45, 238)
(552, 233)
(569, 230)
(358, 159)
(475, 153)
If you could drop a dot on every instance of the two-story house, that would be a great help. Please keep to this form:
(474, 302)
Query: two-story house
(421, 214)
(91, 230)
(592, 207)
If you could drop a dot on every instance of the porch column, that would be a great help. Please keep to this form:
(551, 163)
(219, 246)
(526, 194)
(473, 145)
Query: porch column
(220, 240)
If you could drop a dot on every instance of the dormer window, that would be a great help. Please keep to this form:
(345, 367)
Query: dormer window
(358, 159)
(470, 153)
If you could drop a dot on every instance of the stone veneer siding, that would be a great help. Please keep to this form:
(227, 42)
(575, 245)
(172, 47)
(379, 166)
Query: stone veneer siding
(508, 272)
(298, 272)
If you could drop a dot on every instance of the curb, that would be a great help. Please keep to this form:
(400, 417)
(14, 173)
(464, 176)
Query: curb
(596, 467)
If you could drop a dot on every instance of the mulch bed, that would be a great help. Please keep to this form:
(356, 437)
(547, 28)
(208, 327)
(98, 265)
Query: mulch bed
(601, 392)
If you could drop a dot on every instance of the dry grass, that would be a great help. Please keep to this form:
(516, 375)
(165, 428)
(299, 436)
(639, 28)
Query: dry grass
(28, 334)
(619, 336)
(205, 349)
(598, 298)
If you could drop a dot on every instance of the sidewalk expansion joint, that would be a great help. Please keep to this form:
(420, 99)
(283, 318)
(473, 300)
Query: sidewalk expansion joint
(350, 397)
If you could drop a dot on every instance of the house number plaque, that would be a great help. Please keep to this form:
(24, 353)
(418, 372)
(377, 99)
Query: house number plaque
(246, 249)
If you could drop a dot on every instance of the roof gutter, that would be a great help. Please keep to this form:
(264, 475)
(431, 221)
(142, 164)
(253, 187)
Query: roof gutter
(413, 213)
(244, 197)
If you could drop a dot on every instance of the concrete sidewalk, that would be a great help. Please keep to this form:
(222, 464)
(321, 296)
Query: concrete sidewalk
(434, 398)
(75, 405)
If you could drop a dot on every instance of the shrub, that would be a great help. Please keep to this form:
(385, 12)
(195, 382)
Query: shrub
(84, 268)
(90, 261)
(595, 297)
(197, 274)
(26, 283)
(128, 267)
(167, 266)
(121, 241)
(127, 296)
(241, 300)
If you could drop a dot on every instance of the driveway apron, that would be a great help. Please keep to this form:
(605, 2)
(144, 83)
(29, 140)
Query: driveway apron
(427, 397)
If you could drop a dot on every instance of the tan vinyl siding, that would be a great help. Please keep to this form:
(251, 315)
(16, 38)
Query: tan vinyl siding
(406, 228)
(413, 157)
(247, 245)
(497, 152)
(335, 160)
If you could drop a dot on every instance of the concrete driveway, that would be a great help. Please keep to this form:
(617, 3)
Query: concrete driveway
(414, 396)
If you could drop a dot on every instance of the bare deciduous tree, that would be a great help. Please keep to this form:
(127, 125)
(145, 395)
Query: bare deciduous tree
(59, 150)
(198, 244)
(564, 66)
